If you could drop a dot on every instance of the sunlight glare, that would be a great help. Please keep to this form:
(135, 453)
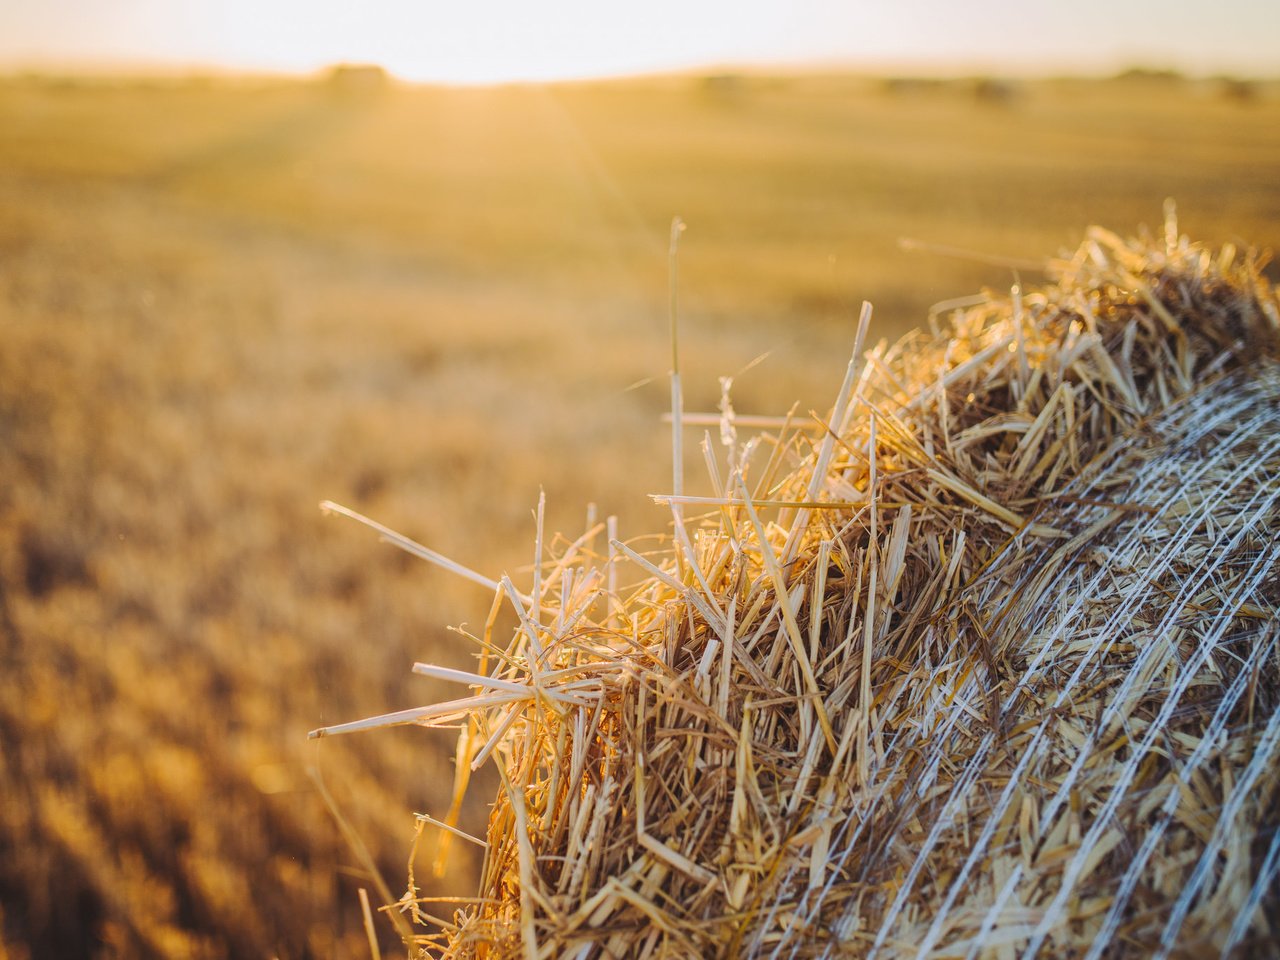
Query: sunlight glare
(497, 41)
(493, 41)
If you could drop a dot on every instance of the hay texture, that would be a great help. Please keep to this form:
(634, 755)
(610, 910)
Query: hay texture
(985, 662)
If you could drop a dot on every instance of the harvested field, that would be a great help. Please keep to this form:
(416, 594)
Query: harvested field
(226, 298)
(984, 661)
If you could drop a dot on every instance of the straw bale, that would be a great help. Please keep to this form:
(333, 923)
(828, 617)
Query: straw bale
(985, 662)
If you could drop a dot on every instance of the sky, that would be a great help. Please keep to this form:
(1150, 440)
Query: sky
(486, 41)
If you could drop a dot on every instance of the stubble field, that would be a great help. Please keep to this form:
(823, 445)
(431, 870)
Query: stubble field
(222, 301)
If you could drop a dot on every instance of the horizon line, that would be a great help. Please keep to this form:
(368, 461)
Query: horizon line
(939, 69)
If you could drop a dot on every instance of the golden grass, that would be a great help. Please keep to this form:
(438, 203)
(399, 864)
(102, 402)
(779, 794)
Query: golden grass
(222, 301)
(982, 663)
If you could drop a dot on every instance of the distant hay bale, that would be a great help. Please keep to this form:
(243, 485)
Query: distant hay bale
(723, 84)
(1238, 89)
(985, 662)
(1152, 75)
(356, 81)
(902, 86)
(996, 91)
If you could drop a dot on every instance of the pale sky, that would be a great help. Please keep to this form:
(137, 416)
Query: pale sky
(469, 41)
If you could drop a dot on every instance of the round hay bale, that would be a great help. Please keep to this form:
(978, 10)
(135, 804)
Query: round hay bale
(986, 663)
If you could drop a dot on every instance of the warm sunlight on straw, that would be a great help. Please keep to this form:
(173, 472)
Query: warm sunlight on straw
(933, 643)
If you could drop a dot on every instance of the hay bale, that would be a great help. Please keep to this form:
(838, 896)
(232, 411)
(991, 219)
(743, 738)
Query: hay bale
(984, 663)
(356, 81)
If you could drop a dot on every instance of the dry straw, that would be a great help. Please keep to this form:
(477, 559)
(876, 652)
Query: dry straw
(984, 663)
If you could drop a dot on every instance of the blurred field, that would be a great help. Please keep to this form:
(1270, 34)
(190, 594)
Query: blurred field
(223, 301)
